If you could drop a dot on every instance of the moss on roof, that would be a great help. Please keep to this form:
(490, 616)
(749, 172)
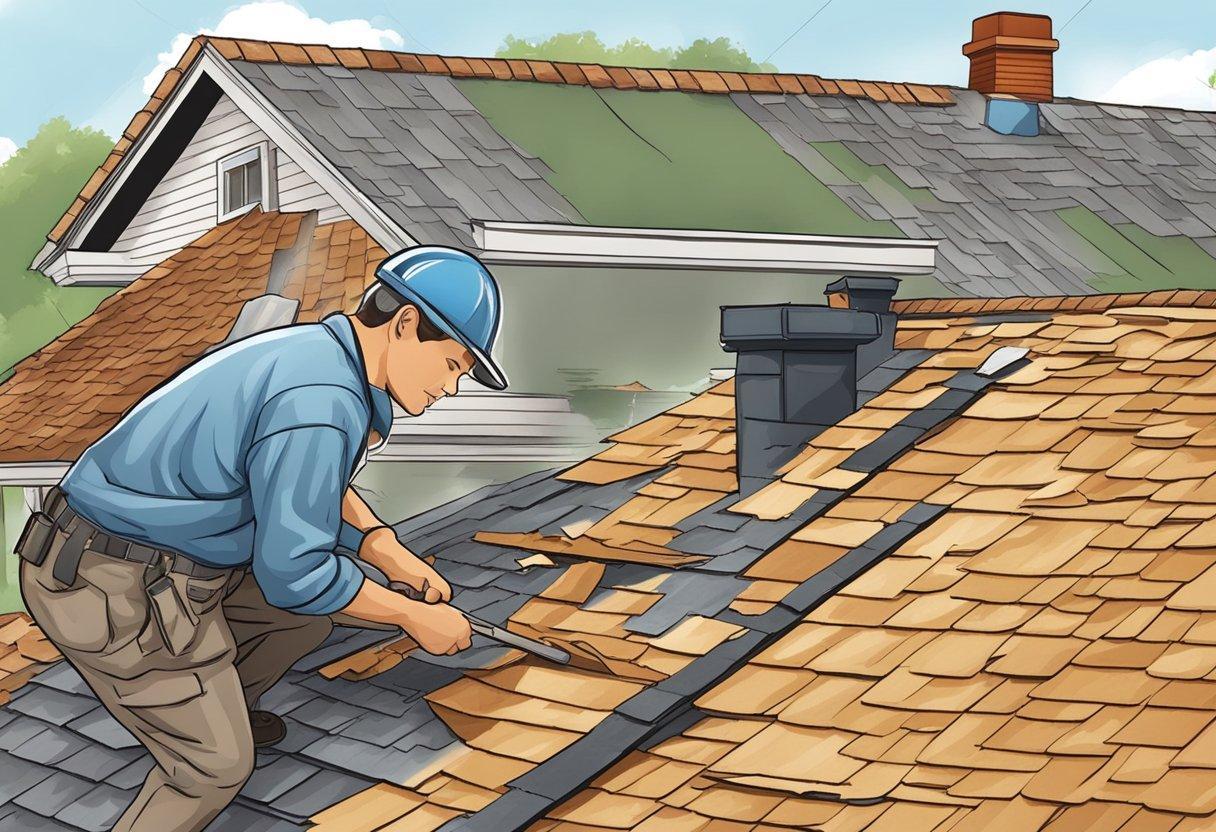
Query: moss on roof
(1139, 260)
(626, 158)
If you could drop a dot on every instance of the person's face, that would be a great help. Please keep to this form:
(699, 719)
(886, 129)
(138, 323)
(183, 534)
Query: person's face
(421, 373)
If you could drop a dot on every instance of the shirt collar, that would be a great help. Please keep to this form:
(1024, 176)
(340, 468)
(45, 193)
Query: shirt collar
(378, 400)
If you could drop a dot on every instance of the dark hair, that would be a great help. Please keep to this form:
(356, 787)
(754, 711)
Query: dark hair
(381, 303)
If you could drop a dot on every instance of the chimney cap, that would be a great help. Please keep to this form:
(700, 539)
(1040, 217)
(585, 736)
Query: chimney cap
(796, 327)
(1010, 53)
(1011, 24)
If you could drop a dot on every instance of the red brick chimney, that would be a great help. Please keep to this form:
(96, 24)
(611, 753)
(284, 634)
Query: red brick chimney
(1010, 54)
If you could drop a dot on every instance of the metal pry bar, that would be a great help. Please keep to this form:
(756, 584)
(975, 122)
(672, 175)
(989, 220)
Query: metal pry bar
(491, 631)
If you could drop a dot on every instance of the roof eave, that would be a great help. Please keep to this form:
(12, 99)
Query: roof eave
(209, 62)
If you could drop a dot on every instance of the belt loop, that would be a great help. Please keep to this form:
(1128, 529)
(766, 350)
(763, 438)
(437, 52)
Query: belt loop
(67, 561)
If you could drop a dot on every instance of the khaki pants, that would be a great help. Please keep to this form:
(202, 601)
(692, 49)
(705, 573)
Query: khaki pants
(189, 710)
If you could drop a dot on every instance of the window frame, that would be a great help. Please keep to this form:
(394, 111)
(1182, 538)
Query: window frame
(263, 154)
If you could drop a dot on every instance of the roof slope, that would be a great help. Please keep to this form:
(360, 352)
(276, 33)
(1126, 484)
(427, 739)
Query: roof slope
(973, 601)
(543, 71)
(63, 397)
(1034, 657)
(1108, 198)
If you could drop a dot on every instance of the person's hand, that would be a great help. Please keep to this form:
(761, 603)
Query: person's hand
(439, 629)
(382, 548)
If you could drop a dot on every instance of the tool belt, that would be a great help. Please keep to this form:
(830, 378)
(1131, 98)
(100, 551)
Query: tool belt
(56, 515)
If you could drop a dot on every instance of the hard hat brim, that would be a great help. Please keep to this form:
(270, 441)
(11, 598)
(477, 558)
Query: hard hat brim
(485, 369)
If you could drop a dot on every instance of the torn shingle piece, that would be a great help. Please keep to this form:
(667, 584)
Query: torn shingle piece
(576, 584)
(584, 547)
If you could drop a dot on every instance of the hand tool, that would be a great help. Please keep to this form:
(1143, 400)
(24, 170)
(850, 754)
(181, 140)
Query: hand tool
(491, 631)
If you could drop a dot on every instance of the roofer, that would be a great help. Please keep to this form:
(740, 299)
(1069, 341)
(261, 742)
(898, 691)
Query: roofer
(187, 559)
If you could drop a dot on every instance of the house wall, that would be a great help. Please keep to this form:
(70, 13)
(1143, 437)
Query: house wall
(183, 205)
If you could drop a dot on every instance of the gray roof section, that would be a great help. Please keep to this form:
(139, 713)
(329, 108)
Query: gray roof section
(418, 148)
(415, 146)
(992, 199)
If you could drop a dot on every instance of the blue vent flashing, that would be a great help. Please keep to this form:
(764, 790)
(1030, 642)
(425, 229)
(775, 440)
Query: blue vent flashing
(1011, 117)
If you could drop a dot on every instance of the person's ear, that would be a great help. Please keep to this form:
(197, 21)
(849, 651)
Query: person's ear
(406, 322)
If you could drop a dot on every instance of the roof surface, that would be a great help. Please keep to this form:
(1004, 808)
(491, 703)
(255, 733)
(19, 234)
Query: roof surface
(974, 603)
(1108, 198)
(63, 397)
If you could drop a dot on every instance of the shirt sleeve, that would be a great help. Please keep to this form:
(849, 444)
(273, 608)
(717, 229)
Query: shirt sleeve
(296, 480)
(350, 537)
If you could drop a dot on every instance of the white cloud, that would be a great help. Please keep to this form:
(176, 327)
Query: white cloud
(279, 21)
(7, 148)
(1169, 82)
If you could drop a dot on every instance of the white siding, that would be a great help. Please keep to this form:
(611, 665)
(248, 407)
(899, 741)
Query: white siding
(183, 205)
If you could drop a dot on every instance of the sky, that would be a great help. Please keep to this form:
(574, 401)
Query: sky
(94, 61)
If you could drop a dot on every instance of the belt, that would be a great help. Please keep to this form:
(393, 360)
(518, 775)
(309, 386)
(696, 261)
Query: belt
(84, 535)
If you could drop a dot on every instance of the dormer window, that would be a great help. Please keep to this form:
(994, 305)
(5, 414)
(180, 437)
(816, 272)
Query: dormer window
(244, 181)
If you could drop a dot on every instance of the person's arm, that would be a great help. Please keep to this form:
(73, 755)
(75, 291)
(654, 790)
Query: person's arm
(438, 628)
(379, 546)
(295, 482)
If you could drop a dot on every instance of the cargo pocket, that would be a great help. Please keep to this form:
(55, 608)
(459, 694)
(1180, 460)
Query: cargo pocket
(157, 689)
(177, 623)
(74, 617)
(203, 594)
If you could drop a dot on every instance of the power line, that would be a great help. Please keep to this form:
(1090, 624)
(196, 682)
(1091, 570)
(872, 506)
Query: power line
(805, 23)
(408, 33)
(154, 14)
(1084, 6)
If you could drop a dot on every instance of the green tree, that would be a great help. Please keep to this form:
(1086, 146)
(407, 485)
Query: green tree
(1212, 80)
(36, 184)
(720, 53)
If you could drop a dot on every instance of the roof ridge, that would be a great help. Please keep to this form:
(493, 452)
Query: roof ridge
(1054, 303)
(577, 73)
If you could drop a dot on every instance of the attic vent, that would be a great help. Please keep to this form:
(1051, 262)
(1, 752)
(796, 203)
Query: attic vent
(1011, 117)
(1002, 362)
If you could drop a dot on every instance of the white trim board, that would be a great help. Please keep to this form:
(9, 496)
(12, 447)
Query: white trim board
(523, 243)
(100, 268)
(386, 233)
(32, 473)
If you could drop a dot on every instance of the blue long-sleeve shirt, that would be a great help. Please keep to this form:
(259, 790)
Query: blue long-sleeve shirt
(243, 458)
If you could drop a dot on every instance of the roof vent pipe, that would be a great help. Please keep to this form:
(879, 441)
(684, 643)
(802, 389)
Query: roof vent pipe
(868, 294)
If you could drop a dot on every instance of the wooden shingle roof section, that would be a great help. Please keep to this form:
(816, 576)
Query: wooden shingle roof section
(1054, 303)
(24, 652)
(63, 397)
(1036, 657)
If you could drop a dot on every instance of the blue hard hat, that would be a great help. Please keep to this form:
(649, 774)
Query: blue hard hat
(458, 294)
